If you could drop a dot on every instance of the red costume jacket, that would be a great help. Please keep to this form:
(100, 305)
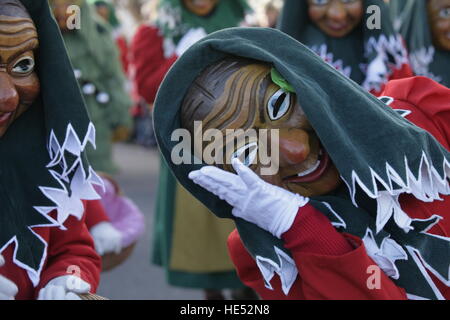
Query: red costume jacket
(332, 265)
(66, 248)
(148, 66)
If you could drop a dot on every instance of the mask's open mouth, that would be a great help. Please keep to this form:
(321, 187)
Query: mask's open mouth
(314, 172)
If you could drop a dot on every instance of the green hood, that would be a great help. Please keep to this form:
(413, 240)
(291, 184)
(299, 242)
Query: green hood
(375, 167)
(411, 19)
(374, 53)
(42, 163)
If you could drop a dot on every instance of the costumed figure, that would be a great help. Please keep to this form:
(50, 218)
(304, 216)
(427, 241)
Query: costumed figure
(356, 39)
(47, 184)
(106, 10)
(335, 194)
(425, 25)
(96, 63)
(189, 242)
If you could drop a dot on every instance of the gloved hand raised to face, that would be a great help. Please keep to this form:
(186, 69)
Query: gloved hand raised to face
(64, 288)
(8, 289)
(269, 207)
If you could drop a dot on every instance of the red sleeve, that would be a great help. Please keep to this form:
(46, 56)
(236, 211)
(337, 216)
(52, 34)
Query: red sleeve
(149, 63)
(123, 50)
(428, 101)
(95, 213)
(330, 265)
(71, 252)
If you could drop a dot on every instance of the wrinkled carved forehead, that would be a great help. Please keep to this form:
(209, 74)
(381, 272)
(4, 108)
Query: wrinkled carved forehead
(13, 8)
(217, 95)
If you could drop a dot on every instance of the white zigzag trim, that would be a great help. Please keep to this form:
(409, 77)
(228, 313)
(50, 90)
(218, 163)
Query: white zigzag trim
(328, 57)
(421, 60)
(81, 188)
(427, 187)
(422, 265)
(377, 70)
(285, 269)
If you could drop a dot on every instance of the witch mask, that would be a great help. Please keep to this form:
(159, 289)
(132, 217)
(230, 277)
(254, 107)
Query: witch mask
(237, 95)
(439, 16)
(336, 18)
(19, 84)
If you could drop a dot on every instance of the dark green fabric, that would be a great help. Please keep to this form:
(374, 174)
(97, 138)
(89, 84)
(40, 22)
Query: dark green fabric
(29, 145)
(346, 118)
(411, 19)
(351, 54)
(93, 52)
(174, 20)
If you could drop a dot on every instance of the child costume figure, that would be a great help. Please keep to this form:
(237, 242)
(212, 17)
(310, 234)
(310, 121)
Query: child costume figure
(346, 35)
(362, 184)
(96, 63)
(106, 10)
(46, 181)
(189, 241)
(425, 25)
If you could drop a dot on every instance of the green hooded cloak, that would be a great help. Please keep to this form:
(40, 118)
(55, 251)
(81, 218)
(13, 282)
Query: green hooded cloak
(43, 166)
(368, 55)
(96, 63)
(411, 19)
(376, 165)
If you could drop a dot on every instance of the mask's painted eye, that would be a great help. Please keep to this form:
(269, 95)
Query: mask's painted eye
(23, 66)
(320, 2)
(444, 13)
(246, 154)
(278, 104)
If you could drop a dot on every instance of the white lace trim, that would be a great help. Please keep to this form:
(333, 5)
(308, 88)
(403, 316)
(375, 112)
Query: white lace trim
(285, 269)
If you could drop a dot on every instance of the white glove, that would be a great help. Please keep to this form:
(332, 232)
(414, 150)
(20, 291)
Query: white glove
(106, 238)
(8, 289)
(64, 288)
(191, 37)
(269, 207)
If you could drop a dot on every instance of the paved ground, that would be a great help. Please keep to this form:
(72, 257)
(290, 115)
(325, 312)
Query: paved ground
(136, 278)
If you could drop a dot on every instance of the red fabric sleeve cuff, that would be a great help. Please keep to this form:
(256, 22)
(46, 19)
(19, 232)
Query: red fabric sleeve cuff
(313, 233)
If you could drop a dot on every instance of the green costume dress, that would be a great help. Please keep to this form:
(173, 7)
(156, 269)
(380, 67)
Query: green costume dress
(379, 154)
(190, 242)
(96, 63)
(411, 19)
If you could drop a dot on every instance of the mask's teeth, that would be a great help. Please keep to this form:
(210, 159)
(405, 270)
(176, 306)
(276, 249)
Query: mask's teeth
(310, 170)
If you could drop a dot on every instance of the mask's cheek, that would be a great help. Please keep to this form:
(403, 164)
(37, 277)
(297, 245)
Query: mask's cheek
(28, 89)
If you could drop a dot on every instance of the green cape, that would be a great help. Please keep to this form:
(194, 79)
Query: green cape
(375, 166)
(411, 19)
(366, 55)
(42, 164)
